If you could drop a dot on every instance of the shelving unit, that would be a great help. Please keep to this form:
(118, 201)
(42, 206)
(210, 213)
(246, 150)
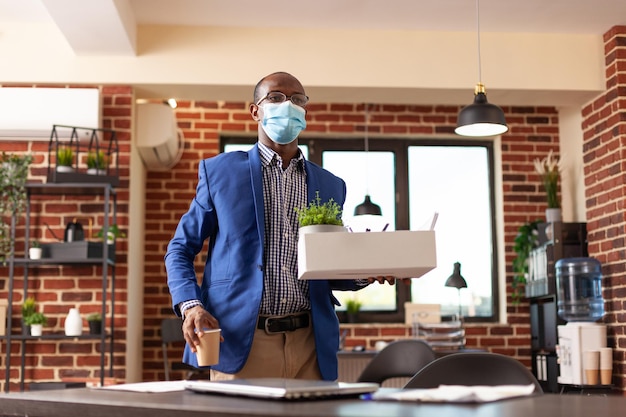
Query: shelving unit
(556, 241)
(105, 260)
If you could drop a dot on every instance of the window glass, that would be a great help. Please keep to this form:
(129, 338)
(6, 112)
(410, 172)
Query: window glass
(454, 181)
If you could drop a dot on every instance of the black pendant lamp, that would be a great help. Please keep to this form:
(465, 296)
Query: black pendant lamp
(367, 207)
(457, 281)
(481, 118)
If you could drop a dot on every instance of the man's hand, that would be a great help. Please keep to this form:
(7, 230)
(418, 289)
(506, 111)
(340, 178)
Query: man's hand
(197, 318)
(389, 280)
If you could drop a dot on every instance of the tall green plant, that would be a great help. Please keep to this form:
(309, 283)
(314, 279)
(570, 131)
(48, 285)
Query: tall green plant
(525, 241)
(13, 176)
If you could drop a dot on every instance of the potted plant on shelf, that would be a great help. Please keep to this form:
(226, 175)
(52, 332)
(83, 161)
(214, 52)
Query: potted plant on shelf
(65, 159)
(353, 306)
(97, 163)
(35, 251)
(322, 216)
(549, 170)
(13, 176)
(36, 321)
(525, 241)
(113, 233)
(30, 316)
(95, 323)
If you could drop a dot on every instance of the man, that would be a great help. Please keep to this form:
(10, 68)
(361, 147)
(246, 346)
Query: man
(273, 325)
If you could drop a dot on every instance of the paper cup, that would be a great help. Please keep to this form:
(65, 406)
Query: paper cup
(208, 351)
(591, 365)
(606, 365)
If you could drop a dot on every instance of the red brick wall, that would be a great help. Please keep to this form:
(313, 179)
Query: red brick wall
(57, 289)
(604, 133)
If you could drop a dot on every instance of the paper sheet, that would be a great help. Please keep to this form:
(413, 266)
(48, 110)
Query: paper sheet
(458, 393)
(154, 387)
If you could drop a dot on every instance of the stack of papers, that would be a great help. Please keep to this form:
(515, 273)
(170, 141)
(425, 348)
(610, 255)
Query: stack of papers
(458, 393)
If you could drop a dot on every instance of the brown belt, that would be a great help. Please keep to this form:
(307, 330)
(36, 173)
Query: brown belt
(282, 324)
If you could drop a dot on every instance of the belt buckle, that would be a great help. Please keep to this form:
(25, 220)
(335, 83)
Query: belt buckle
(267, 327)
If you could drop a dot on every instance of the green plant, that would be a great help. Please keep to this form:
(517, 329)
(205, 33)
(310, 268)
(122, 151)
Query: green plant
(97, 160)
(549, 170)
(525, 241)
(319, 213)
(94, 317)
(35, 318)
(13, 176)
(353, 306)
(28, 307)
(113, 230)
(65, 156)
(35, 244)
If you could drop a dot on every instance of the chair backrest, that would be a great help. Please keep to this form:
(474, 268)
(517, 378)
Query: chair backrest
(474, 368)
(402, 358)
(171, 331)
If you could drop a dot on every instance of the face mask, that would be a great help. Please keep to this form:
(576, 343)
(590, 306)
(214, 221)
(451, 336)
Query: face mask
(283, 122)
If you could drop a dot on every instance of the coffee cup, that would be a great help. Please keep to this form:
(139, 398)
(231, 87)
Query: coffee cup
(208, 351)
(591, 366)
(606, 365)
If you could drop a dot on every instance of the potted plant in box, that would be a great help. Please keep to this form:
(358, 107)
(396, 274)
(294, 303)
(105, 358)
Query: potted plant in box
(324, 216)
(97, 163)
(65, 159)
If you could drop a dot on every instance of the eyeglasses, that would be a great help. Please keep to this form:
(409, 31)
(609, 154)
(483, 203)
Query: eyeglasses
(276, 97)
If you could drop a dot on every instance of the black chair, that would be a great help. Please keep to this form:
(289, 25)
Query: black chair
(402, 358)
(172, 333)
(474, 368)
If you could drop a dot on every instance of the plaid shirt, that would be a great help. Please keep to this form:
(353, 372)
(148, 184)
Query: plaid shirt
(283, 192)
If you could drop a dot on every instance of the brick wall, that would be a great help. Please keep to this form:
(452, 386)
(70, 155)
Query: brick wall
(57, 289)
(604, 153)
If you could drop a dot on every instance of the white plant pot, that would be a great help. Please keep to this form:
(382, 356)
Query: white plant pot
(34, 253)
(36, 329)
(64, 168)
(322, 228)
(96, 171)
(553, 215)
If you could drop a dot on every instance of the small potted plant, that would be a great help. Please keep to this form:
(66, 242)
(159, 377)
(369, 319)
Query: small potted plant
(95, 323)
(549, 170)
(97, 163)
(353, 306)
(34, 252)
(113, 233)
(36, 321)
(321, 215)
(65, 159)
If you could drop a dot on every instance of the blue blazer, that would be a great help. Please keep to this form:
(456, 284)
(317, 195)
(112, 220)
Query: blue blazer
(228, 210)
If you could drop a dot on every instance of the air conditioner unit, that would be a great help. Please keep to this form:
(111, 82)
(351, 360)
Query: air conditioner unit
(29, 113)
(159, 141)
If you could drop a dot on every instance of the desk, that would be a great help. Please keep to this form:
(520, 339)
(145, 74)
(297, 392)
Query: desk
(82, 402)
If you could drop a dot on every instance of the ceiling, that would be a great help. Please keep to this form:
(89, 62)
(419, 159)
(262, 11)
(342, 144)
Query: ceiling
(539, 16)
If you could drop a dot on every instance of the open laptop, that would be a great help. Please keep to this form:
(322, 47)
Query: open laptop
(282, 388)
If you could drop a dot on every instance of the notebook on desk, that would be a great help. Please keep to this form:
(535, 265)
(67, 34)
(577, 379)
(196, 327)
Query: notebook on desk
(281, 388)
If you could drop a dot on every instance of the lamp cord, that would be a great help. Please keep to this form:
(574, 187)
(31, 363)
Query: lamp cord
(480, 78)
(367, 148)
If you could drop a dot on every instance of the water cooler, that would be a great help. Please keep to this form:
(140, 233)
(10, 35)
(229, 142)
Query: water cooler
(580, 304)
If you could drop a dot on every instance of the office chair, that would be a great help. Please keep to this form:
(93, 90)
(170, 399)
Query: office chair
(474, 368)
(172, 333)
(402, 358)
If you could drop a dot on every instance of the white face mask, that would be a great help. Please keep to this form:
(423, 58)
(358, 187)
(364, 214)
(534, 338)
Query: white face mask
(283, 122)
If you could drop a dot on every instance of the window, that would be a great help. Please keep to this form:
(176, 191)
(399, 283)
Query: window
(410, 179)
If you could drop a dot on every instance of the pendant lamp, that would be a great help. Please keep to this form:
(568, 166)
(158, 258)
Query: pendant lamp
(457, 281)
(367, 206)
(480, 118)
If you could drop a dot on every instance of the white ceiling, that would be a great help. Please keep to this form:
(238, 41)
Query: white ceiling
(540, 16)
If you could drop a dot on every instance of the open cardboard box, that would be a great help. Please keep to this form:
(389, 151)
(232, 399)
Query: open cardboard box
(342, 255)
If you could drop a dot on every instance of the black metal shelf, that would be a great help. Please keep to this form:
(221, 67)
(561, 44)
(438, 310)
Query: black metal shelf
(107, 261)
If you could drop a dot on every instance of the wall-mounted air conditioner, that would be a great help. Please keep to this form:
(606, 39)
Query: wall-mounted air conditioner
(29, 113)
(159, 141)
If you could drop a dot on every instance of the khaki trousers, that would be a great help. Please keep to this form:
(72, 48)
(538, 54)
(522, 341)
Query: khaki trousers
(279, 355)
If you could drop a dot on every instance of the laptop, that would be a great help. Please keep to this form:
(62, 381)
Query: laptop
(282, 388)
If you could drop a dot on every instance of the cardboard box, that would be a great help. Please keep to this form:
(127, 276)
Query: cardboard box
(343, 255)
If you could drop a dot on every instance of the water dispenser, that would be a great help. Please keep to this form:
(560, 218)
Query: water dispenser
(580, 303)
